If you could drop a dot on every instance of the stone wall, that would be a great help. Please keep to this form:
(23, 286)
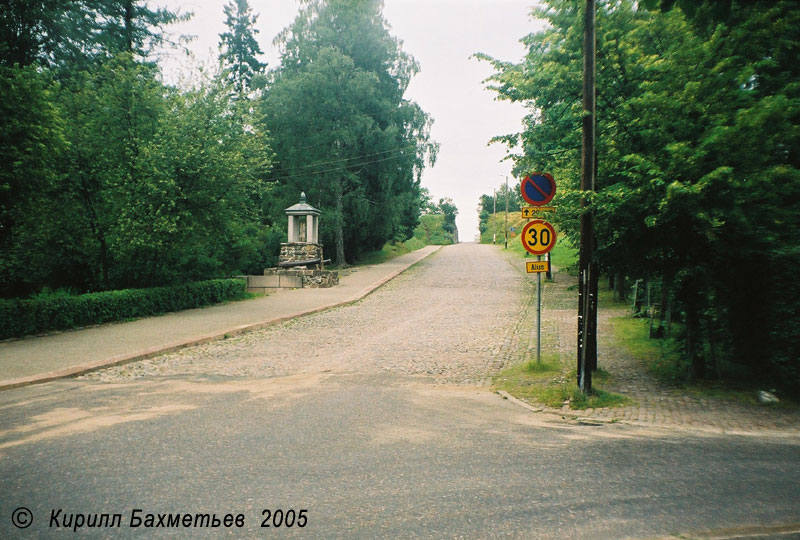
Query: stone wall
(293, 278)
(298, 276)
(300, 251)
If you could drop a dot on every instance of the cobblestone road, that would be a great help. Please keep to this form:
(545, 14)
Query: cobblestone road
(459, 316)
(453, 317)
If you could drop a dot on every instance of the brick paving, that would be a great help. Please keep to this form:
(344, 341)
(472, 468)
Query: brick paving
(38, 359)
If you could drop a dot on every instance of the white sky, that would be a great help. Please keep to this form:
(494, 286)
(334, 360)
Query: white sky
(441, 35)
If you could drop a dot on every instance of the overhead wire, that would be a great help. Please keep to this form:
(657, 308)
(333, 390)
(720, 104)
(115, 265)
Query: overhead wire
(362, 156)
(335, 168)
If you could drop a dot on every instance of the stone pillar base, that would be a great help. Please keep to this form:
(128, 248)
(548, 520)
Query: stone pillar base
(294, 252)
(295, 278)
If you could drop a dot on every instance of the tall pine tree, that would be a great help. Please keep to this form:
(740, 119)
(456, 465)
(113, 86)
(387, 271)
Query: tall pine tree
(238, 46)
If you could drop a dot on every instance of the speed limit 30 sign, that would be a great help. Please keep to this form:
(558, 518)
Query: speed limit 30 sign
(538, 237)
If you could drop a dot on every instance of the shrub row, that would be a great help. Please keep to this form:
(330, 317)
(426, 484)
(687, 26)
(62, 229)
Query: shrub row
(60, 312)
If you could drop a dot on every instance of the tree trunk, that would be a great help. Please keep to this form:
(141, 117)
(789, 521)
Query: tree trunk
(668, 319)
(588, 293)
(99, 234)
(619, 288)
(697, 366)
(591, 338)
(712, 342)
(339, 233)
(129, 25)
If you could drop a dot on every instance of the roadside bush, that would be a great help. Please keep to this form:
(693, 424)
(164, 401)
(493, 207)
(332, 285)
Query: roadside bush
(431, 230)
(59, 311)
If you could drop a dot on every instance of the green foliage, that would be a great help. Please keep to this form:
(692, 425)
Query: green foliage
(661, 356)
(110, 179)
(490, 204)
(32, 144)
(431, 230)
(391, 250)
(437, 225)
(72, 35)
(162, 184)
(698, 168)
(564, 256)
(59, 311)
(492, 230)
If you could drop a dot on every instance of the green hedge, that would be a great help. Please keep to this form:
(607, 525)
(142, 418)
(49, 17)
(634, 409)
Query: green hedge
(59, 312)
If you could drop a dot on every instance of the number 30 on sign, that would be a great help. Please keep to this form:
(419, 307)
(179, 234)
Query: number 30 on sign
(538, 237)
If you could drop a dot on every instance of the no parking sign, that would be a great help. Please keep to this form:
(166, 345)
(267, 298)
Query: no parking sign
(538, 189)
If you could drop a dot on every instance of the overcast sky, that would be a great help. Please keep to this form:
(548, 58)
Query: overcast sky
(441, 35)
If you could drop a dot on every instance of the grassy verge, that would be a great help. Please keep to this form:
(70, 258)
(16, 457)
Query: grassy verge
(389, 251)
(661, 356)
(552, 382)
(547, 384)
(663, 360)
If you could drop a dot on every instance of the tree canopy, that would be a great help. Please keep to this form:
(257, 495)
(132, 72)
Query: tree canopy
(111, 178)
(342, 131)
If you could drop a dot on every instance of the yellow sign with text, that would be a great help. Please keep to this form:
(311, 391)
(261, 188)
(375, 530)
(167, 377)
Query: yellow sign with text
(534, 267)
(529, 211)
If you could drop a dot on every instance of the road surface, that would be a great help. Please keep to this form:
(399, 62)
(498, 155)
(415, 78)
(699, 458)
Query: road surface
(376, 420)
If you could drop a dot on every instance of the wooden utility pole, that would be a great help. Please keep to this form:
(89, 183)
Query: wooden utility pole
(587, 277)
(494, 214)
(506, 241)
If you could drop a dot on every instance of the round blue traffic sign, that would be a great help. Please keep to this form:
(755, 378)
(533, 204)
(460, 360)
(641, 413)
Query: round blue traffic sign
(538, 188)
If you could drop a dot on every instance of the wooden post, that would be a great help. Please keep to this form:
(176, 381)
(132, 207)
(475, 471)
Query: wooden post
(494, 214)
(587, 312)
(506, 233)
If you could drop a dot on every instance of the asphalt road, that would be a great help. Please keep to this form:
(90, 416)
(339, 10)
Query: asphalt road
(371, 452)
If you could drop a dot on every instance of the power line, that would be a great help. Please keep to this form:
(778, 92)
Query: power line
(318, 163)
(335, 168)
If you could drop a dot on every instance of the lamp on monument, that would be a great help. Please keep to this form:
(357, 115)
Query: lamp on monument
(303, 222)
(303, 236)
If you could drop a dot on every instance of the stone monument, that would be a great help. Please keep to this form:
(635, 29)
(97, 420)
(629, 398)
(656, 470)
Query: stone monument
(301, 262)
(303, 247)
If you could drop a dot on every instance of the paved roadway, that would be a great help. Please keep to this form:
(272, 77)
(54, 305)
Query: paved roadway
(375, 417)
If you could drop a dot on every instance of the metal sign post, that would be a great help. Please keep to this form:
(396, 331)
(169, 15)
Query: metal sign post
(538, 314)
(538, 237)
